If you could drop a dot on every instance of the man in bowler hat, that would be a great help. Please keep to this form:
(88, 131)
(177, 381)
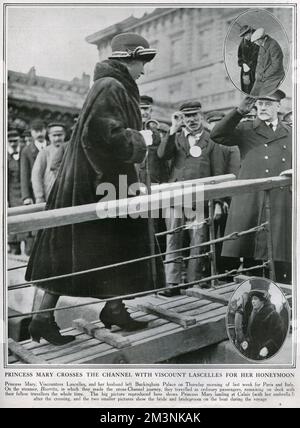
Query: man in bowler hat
(269, 72)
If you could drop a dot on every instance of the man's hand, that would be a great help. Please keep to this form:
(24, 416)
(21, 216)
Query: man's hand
(246, 105)
(40, 200)
(177, 122)
(287, 173)
(263, 352)
(246, 68)
(28, 201)
(244, 345)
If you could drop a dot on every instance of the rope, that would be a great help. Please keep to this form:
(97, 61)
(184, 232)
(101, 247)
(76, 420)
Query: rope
(232, 236)
(143, 293)
(183, 259)
(183, 226)
(17, 267)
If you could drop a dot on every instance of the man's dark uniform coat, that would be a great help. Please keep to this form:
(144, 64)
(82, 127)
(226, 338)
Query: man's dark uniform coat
(264, 153)
(269, 69)
(105, 144)
(265, 329)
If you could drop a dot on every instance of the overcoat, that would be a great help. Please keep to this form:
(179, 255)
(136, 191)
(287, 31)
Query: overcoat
(28, 157)
(264, 330)
(104, 145)
(14, 183)
(264, 153)
(247, 54)
(214, 159)
(269, 69)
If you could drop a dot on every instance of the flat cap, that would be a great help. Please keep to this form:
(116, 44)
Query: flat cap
(276, 96)
(245, 29)
(287, 114)
(146, 100)
(131, 45)
(26, 133)
(190, 107)
(214, 116)
(52, 124)
(259, 287)
(37, 124)
(12, 133)
(258, 34)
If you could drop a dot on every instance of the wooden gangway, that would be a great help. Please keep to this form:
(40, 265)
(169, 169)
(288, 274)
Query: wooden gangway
(177, 325)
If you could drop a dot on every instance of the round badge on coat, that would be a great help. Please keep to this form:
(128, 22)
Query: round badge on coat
(195, 151)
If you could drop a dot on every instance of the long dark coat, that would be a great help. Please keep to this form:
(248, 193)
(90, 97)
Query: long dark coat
(264, 153)
(247, 54)
(28, 157)
(269, 71)
(14, 182)
(104, 145)
(265, 330)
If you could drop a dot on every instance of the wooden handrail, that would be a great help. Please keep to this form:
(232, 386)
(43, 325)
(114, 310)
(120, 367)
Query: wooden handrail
(139, 204)
(155, 188)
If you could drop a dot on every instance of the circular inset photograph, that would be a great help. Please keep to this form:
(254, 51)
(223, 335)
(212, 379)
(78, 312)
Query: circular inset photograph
(258, 319)
(257, 53)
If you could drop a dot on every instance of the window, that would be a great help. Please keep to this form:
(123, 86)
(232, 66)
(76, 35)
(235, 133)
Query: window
(203, 45)
(176, 52)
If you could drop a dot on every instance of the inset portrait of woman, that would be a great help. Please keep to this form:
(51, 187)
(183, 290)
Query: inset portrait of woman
(257, 52)
(258, 319)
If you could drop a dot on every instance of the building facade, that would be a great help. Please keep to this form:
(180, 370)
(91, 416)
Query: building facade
(30, 96)
(190, 60)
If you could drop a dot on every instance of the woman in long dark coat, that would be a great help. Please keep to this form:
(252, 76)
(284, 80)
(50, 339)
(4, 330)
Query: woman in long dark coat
(105, 144)
(247, 58)
(265, 331)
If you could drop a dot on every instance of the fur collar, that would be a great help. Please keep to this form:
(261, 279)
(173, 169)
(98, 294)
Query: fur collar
(119, 71)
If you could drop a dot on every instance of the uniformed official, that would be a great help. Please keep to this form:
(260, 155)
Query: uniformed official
(266, 150)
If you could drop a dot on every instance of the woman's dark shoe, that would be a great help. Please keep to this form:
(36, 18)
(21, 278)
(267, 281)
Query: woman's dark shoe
(49, 330)
(121, 318)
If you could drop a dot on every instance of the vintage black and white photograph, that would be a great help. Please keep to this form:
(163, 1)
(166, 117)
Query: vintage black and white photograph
(146, 176)
(257, 52)
(258, 318)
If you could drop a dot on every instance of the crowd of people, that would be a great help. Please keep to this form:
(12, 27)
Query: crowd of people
(109, 141)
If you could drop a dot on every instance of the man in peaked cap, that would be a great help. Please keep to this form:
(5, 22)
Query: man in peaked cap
(193, 155)
(212, 117)
(266, 148)
(158, 169)
(265, 332)
(104, 147)
(269, 71)
(247, 58)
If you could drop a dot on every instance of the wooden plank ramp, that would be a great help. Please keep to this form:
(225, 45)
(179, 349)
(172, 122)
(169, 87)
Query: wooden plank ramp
(176, 325)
